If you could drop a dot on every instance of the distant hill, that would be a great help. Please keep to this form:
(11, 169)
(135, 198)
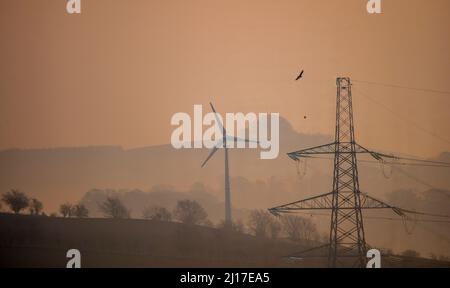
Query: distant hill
(64, 174)
(163, 175)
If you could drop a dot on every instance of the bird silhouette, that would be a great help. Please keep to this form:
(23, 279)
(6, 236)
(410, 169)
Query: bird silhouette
(299, 76)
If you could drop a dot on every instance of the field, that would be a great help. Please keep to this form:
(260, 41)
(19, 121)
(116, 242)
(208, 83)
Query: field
(28, 241)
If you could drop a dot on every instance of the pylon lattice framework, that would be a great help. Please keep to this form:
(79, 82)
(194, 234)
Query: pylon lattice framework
(347, 240)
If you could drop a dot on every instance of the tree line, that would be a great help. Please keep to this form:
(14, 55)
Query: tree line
(260, 223)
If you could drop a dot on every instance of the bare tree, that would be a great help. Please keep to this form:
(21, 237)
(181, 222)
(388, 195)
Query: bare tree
(35, 207)
(16, 200)
(324, 238)
(275, 227)
(190, 212)
(298, 228)
(114, 208)
(80, 211)
(157, 213)
(238, 226)
(66, 210)
(259, 223)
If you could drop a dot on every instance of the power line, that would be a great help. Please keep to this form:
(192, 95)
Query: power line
(420, 181)
(403, 117)
(403, 87)
(425, 161)
(423, 213)
(438, 164)
(383, 218)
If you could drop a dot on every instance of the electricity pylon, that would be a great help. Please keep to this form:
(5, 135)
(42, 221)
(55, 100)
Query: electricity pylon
(347, 239)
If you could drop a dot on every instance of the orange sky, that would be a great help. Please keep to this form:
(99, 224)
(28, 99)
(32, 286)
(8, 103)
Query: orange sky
(117, 73)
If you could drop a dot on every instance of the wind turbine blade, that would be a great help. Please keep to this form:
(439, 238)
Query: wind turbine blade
(212, 107)
(214, 150)
(218, 120)
(237, 139)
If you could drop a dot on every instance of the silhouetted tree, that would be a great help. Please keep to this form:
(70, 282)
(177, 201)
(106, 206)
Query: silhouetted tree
(35, 206)
(274, 227)
(66, 210)
(190, 212)
(157, 213)
(259, 222)
(114, 208)
(16, 200)
(298, 228)
(238, 226)
(80, 211)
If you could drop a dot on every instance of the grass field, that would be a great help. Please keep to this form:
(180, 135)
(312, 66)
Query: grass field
(30, 241)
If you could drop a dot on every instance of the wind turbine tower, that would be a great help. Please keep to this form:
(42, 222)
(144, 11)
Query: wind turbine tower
(222, 143)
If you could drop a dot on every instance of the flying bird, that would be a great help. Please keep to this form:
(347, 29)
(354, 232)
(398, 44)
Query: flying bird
(299, 76)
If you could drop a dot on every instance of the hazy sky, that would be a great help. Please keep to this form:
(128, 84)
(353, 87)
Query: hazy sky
(117, 73)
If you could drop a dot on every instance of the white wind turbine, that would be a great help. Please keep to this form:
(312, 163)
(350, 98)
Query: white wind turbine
(222, 143)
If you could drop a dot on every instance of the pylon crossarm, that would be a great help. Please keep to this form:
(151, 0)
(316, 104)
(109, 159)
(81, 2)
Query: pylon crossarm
(322, 149)
(335, 147)
(377, 155)
(323, 201)
(368, 202)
